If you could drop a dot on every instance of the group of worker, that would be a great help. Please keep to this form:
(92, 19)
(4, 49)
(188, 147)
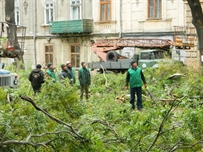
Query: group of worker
(134, 77)
(37, 77)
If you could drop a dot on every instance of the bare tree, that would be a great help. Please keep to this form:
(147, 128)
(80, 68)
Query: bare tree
(13, 48)
(197, 21)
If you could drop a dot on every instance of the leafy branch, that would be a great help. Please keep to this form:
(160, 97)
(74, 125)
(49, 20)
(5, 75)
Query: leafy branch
(175, 147)
(16, 142)
(27, 141)
(72, 133)
(9, 127)
(106, 82)
(106, 123)
(138, 142)
(160, 131)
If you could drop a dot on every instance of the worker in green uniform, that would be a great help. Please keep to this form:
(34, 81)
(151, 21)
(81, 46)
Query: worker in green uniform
(84, 79)
(136, 78)
(50, 72)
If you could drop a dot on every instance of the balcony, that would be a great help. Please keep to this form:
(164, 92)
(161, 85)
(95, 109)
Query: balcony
(83, 26)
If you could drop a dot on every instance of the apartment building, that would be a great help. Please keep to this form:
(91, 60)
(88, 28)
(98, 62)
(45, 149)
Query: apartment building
(61, 30)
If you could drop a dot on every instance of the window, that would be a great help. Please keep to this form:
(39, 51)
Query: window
(49, 54)
(105, 10)
(144, 56)
(154, 9)
(49, 11)
(160, 54)
(75, 55)
(75, 9)
(17, 12)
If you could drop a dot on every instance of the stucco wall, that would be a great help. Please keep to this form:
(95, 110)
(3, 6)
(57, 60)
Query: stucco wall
(133, 21)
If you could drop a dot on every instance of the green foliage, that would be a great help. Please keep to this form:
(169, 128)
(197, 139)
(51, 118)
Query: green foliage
(2, 94)
(102, 123)
(3, 41)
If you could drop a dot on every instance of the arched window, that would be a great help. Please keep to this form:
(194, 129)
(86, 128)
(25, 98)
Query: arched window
(49, 11)
(75, 9)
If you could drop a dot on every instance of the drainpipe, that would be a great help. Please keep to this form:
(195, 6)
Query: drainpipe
(2, 4)
(35, 26)
(81, 10)
(120, 20)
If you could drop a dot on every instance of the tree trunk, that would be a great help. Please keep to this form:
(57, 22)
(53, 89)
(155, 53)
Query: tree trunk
(13, 49)
(197, 21)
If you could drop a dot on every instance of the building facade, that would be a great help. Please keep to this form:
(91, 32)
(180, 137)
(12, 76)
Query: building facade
(61, 30)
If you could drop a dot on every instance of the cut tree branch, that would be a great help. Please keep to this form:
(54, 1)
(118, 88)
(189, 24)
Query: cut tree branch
(161, 126)
(176, 147)
(16, 142)
(138, 142)
(72, 133)
(106, 82)
(106, 123)
(44, 134)
(9, 127)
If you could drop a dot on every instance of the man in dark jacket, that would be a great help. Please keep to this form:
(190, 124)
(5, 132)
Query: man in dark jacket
(135, 77)
(70, 72)
(85, 80)
(64, 73)
(36, 78)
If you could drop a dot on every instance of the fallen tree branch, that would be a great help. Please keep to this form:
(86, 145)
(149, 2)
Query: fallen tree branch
(73, 132)
(176, 147)
(44, 134)
(27, 141)
(116, 140)
(173, 148)
(106, 82)
(170, 91)
(161, 126)
(138, 142)
(9, 127)
(106, 123)
(8, 97)
(17, 142)
(152, 96)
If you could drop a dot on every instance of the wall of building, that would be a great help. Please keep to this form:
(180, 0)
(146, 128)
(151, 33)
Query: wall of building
(192, 59)
(135, 17)
(41, 32)
(131, 22)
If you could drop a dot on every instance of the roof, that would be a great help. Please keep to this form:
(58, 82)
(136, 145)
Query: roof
(135, 42)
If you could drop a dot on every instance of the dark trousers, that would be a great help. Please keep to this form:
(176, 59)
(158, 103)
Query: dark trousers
(84, 88)
(36, 89)
(138, 91)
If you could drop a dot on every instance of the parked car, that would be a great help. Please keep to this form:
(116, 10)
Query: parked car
(8, 79)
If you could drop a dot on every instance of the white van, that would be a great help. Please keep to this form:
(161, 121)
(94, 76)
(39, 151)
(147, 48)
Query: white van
(8, 79)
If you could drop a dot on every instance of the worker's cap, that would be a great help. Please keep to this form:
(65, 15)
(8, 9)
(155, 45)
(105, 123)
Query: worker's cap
(49, 64)
(68, 62)
(132, 62)
(38, 66)
(63, 65)
(82, 63)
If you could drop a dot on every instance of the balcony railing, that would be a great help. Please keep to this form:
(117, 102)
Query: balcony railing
(72, 26)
